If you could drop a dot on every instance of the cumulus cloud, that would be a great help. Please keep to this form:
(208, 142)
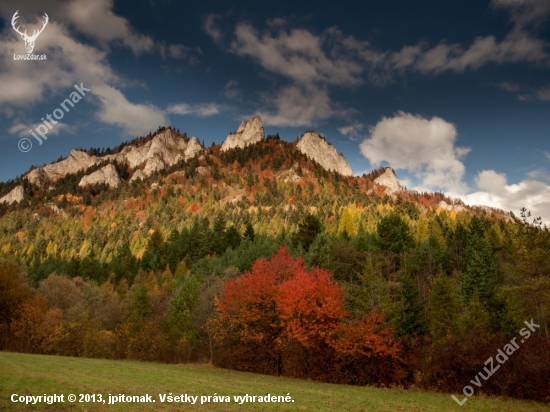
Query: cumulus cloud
(96, 19)
(310, 62)
(297, 106)
(316, 62)
(200, 109)
(541, 174)
(133, 118)
(495, 191)
(297, 54)
(425, 147)
(70, 62)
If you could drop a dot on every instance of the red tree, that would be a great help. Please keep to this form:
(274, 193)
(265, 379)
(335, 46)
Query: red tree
(279, 306)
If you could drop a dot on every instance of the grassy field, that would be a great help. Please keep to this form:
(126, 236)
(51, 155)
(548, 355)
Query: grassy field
(37, 375)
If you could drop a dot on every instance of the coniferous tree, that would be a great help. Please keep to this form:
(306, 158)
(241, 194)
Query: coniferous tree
(409, 317)
(308, 229)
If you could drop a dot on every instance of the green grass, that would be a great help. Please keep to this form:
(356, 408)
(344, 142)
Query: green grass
(38, 374)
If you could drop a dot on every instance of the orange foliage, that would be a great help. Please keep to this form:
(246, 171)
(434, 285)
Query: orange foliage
(280, 306)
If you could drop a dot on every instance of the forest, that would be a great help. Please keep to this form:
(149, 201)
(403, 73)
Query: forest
(258, 259)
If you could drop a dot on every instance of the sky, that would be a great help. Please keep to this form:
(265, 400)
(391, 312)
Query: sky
(454, 95)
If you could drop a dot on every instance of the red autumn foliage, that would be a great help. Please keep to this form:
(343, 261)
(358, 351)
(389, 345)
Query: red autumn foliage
(282, 318)
(311, 306)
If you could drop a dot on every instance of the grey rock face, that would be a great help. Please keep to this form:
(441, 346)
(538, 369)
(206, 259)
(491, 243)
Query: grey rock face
(16, 195)
(107, 174)
(312, 145)
(248, 133)
(163, 151)
(451, 208)
(389, 180)
(76, 161)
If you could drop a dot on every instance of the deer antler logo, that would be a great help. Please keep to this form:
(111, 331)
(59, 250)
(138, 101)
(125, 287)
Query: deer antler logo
(29, 40)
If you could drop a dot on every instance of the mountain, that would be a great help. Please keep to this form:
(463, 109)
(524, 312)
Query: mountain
(298, 165)
(316, 147)
(129, 252)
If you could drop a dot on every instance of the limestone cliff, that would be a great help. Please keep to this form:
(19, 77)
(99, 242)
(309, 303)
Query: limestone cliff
(315, 147)
(248, 133)
(107, 175)
(163, 151)
(389, 180)
(16, 195)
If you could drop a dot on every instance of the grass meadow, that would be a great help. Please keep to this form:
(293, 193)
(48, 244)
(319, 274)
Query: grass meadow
(25, 374)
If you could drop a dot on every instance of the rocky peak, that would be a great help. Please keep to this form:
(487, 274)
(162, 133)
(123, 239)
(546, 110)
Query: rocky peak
(163, 151)
(16, 195)
(389, 180)
(107, 175)
(248, 133)
(315, 147)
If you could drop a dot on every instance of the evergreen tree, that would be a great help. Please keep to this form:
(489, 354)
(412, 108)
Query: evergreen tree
(249, 232)
(481, 271)
(308, 229)
(444, 310)
(409, 316)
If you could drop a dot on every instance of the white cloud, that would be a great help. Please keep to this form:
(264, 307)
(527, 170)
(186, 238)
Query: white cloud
(352, 131)
(424, 147)
(547, 155)
(309, 61)
(297, 54)
(96, 19)
(134, 118)
(496, 192)
(22, 130)
(541, 174)
(72, 62)
(299, 106)
(200, 109)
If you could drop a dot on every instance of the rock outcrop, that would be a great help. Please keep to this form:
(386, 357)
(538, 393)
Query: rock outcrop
(138, 175)
(315, 147)
(389, 180)
(164, 150)
(76, 162)
(16, 195)
(107, 175)
(451, 208)
(248, 133)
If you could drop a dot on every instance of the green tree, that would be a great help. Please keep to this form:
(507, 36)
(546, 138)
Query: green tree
(444, 310)
(409, 314)
(394, 234)
(308, 229)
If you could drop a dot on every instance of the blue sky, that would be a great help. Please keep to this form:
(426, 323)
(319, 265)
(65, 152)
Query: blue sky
(455, 95)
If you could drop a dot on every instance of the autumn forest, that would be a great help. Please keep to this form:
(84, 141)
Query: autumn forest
(258, 259)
